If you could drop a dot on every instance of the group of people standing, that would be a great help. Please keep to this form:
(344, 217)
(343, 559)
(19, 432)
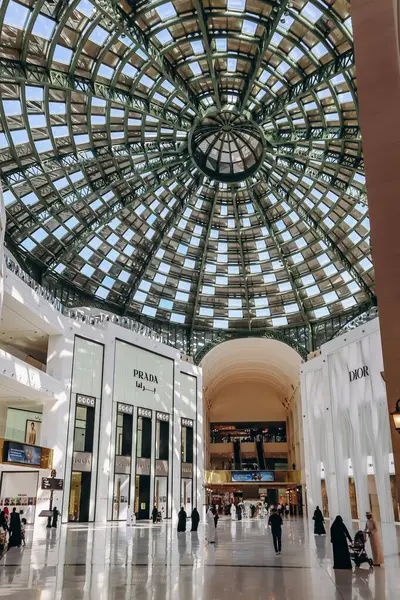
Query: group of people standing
(340, 539)
(182, 519)
(15, 530)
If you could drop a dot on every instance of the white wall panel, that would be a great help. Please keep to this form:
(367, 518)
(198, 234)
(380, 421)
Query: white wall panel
(130, 362)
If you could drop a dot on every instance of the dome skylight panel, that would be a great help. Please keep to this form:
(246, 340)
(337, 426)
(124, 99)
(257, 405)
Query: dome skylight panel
(195, 162)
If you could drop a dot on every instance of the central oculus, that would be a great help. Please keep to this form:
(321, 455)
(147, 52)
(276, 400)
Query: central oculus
(227, 146)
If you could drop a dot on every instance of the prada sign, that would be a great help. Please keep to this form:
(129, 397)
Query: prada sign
(142, 466)
(187, 470)
(123, 464)
(161, 468)
(358, 373)
(82, 461)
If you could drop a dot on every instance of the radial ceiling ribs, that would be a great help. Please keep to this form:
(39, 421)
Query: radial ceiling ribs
(14, 71)
(243, 269)
(306, 85)
(267, 223)
(101, 220)
(117, 14)
(203, 258)
(100, 184)
(202, 18)
(323, 235)
(90, 156)
(172, 218)
(278, 8)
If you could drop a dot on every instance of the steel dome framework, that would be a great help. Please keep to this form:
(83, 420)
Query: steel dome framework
(98, 103)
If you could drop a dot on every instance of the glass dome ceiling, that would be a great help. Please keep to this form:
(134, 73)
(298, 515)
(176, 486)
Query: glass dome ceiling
(111, 184)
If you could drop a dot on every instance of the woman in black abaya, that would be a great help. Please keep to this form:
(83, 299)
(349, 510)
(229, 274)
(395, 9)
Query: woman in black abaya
(182, 520)
(339, 537)
(318, 518)
(15, 530)
(195, 519)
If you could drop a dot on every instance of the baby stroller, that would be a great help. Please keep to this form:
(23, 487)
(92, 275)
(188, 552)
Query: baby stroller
(159, 517)
(358, 552)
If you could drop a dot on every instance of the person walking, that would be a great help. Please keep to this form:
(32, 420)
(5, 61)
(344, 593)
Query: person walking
(55, 517)
(154, 514)
(195, 519)
(318, 519)
(211, 526)
(15, 529)
(275, 522)
(233, 512)
(182, 516)
(216, 516)
(371, 528)
(339, 537)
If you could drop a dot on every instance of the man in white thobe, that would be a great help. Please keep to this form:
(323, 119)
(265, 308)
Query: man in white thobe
(211, 526)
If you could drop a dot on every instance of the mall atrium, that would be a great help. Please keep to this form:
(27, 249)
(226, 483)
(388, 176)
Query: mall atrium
(199, 288)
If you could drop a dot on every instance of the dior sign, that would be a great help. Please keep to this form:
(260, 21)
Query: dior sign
(358, 373)
(82, 461)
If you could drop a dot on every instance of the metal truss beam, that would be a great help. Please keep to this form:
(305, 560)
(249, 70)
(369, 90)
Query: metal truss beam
(278, 9)
(172, 218)
(15, 71)
(267, 223)
(314, 134)
(332, 181)
(353, 163)
(106, 216)
(203, 260)
(117, 15)
(164, 154)
(201, 15)
(101, 184)
(305, 86)
(314, 225)
(242, 261)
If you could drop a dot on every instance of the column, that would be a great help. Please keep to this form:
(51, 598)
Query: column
(376, 39)
(56, 415)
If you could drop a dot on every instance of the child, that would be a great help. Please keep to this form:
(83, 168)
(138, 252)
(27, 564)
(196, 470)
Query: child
(23, 523)
(3, 541)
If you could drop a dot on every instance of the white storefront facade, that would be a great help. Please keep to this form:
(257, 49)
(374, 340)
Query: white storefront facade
(348, 452)
(121, 411)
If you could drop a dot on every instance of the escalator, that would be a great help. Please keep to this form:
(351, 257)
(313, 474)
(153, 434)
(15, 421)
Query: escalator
(260, 455)
(236, 455)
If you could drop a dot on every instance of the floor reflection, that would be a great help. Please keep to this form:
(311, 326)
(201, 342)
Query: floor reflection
(155, 563)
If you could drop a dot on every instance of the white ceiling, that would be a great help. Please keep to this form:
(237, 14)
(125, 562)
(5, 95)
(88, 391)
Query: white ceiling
(22, 333)
(251, 359)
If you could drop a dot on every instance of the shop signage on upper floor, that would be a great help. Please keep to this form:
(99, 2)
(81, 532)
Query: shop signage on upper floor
(122, 464)
(187, 470)
(82, 462)
(147, 382)
(142, 466)
(359, 373)
(161, 468)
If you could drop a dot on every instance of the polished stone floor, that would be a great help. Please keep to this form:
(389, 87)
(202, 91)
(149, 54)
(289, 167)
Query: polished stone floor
(153, 562)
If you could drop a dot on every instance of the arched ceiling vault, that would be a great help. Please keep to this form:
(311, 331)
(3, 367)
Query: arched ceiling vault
(194, 161)
(270, 362)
